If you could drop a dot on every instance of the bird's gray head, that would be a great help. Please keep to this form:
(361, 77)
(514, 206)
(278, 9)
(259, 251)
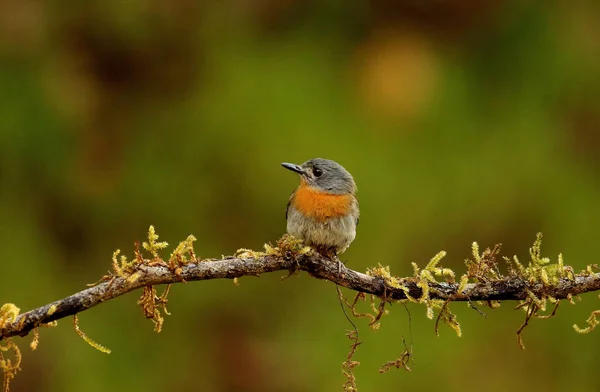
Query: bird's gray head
(325, 175)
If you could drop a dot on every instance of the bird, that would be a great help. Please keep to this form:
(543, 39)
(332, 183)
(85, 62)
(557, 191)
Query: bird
(323, 211)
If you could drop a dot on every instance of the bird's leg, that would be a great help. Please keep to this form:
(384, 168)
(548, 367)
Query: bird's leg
(331, 254)
(335, 257)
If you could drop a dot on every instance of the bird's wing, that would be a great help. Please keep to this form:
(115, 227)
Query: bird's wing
(289, 203)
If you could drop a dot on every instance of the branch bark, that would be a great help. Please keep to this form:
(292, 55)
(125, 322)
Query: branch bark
(507, 288)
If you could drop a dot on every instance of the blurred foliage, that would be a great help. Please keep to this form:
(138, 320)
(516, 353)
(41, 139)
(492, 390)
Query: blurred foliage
(461, 121)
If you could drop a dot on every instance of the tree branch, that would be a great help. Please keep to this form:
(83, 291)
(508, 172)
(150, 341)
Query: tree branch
(153, 273)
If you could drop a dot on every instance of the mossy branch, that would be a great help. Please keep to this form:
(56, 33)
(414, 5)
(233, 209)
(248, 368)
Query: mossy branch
(533, 284)
(142, 273)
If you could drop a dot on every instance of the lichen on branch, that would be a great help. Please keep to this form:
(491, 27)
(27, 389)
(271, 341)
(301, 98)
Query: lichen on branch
(534, 284)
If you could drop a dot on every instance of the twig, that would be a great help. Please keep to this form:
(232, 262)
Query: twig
(507, 288)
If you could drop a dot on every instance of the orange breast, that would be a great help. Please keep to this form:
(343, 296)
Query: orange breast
(320, 205)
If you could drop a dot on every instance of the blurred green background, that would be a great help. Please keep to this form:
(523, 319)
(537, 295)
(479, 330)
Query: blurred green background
(461, 121)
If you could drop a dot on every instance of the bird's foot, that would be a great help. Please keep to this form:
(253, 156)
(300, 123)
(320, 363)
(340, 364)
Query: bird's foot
(331, 254)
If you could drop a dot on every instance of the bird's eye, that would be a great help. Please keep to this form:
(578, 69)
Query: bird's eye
(317, 172)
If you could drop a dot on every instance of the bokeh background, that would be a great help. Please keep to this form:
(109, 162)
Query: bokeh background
(461, 121)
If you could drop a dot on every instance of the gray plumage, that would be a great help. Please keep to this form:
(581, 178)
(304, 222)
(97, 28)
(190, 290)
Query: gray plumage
(335, 233)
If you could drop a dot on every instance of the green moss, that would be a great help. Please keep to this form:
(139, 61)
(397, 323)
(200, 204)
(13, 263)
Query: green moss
(153, 245)
(87, 339)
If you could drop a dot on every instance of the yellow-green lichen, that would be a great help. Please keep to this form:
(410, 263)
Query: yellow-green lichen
(448, 318)
(131, 279)
(591, 321)
(244, 253)
(9, 367)
(383, 272)
(87, 339)
(427, 276)
(8, 314)
(152, 304)
(121, 266)
(287, 244)
(349, 365)
(483, 266)
(423, 278)
(435, 260)
(36, 339)
(540, 269)
(462, 285)
(51, 310)
(184, 250)
(378, 311)
(153, 245)
(400, 362)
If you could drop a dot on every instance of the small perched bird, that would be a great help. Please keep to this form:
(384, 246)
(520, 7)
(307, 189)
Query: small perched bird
(323, 211)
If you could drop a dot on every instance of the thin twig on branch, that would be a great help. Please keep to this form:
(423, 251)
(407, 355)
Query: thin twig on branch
(506, 288)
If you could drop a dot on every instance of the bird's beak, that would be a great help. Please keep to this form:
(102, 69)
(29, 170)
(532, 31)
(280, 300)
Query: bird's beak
(295, 168)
